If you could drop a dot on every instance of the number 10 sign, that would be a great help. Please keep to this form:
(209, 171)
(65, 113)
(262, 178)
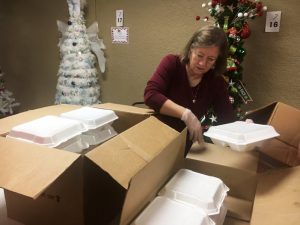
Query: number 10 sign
(273, 21)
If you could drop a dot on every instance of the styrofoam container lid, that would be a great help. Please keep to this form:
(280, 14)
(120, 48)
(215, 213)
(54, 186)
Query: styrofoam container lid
(241, 135)
(164, 211)
(92, 118)
(49, 131)
(203, 191)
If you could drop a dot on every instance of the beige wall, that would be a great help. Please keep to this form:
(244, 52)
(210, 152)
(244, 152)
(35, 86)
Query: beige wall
(273, 59)
(30, 57)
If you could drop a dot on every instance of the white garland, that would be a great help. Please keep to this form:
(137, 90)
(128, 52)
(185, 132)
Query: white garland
(86, 92)
(86, 73)
(80, 82)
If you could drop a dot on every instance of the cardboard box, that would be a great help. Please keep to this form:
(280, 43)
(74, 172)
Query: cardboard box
(51, 186)
(285, 119)
(254, 199)
(237, 170)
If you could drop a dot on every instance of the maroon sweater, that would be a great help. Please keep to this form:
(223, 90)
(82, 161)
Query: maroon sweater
(170, 81)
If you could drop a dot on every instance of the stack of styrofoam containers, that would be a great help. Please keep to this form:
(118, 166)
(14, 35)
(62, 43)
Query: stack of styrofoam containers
(199, 190)
(187, 194)
(97, 122)
(73, 131)
(241, 135)
(51, 131)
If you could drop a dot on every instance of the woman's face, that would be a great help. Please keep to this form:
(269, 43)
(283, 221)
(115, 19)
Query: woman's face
(202, 59)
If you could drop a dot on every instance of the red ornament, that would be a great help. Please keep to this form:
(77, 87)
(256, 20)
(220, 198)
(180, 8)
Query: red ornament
(197, 17)
(259, 6)
(245, 31)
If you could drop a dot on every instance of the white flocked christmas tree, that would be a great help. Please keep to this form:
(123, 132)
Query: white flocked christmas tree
(80, 48)
(7, 101)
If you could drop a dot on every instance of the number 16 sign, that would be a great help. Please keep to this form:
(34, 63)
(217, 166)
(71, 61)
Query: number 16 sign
(273, 21)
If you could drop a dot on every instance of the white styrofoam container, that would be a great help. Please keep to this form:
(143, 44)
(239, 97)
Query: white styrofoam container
(76, 144)
(99, 135)
(92, 118)
(165, 211)
(49, 131)
(97, 121)
(240, 135)
(220, 218)
(203, 191)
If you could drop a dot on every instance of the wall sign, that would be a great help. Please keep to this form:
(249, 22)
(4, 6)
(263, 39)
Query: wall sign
(273, 21)
(120, 35)
(119, 18)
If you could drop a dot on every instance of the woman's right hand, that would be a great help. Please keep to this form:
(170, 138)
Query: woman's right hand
(193, 125)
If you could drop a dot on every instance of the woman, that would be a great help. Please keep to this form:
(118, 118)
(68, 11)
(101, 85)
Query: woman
(185, 86)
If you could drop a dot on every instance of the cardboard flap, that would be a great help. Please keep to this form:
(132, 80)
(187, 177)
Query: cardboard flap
(125, 108)
(145, 185)
(126, 154)
(276, 115)
(289, 129)
(261, 115)
(7, 123)
(277, 199)
(28, 169)
(281, 153)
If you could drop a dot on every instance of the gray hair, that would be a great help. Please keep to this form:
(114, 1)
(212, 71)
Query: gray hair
(208, 36)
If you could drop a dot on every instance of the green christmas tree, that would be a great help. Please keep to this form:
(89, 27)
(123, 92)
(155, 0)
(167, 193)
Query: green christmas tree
(233, 17)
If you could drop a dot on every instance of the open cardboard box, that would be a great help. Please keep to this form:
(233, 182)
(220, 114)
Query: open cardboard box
(52, 186)
(254, 199)
(237, 170)
(286, 121)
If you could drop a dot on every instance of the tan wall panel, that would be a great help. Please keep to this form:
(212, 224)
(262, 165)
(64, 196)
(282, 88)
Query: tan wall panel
(30, 57)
